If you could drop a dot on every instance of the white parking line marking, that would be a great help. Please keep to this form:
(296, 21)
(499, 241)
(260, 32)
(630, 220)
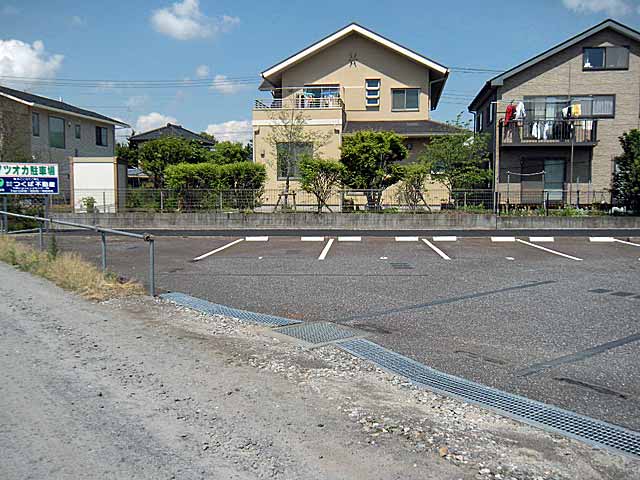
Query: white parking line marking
(208, 254)
(407, 239)
(326, 249)
(540, 247)
(257, 239)
(627, 243)
(503, 239)
(602, 239)
(349, 239)
(436, 249)
(542, 239)
(312, 239)
(450, 238)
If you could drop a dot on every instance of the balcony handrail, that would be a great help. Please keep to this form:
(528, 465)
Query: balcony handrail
(550, 131)
(299, 102)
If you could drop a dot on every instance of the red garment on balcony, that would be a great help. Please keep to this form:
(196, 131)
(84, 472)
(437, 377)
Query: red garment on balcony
(510, 113)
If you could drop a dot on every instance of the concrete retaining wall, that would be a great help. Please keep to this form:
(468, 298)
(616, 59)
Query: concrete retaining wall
(343, 221)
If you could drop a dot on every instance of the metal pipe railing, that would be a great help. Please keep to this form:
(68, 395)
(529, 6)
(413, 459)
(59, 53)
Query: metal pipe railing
(95, 228)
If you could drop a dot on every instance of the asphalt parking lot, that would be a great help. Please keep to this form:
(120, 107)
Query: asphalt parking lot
(555, 319)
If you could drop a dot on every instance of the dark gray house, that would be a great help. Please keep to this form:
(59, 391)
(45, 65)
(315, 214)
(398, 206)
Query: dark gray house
(169, 130)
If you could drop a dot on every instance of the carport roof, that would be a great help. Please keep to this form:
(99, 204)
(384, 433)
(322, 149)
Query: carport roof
(409, 128)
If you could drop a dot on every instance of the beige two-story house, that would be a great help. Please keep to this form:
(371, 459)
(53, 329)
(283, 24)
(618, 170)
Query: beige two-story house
(554, 120)
(40, 129)
(351, 80)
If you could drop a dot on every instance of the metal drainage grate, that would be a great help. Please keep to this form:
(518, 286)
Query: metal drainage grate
(554, 419)
(318, 332)
(215, 309)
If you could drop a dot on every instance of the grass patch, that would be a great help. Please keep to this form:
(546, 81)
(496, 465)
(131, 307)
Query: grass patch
(67, 270)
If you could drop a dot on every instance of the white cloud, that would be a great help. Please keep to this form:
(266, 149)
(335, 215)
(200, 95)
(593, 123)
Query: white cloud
(184, 21)
(222, 84)
(233, 130)
(609, 7)
(77, 21)
(202, 71)
(19, 59)
(137, 101)
(152, 120)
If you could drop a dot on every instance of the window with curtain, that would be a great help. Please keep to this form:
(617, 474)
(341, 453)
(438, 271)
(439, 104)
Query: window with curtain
(550, 108)
(605, 58)
(405, 98)
(56, 132)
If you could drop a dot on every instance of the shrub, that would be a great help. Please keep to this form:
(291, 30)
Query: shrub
(246, 178)
(319, 177)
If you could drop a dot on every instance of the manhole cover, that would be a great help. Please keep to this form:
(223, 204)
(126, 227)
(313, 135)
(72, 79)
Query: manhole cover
(401, 265)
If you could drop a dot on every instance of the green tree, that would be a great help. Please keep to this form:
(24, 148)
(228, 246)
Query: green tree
(208, 136)
(413, 186)
(229, 152)
(458, 160)
(154, 156)
(626, 179)
(371, 162)
(127, 154)
(319, 177)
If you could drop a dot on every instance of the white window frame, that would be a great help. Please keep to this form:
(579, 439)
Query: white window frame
(375, 92)
(405, 109)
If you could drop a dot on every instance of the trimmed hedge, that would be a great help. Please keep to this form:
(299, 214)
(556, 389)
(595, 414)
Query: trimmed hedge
(210, 176)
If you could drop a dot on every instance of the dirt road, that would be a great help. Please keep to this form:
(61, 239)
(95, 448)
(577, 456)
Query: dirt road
(140, 389)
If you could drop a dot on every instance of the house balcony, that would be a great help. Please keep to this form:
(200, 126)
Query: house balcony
(548, 133)
(316, 109)
(299, 103)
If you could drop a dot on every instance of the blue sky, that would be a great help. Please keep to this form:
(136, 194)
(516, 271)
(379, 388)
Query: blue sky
(224, 45)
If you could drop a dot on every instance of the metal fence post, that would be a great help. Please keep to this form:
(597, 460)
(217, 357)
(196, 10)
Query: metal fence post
(104, 250)
(5, 218)
(546, 203)
(40, 237)
(104, 202)
(161, 201)
(152, 267)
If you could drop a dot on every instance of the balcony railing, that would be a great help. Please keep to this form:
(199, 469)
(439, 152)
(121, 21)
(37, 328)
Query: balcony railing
(299, 102)
(549, 132)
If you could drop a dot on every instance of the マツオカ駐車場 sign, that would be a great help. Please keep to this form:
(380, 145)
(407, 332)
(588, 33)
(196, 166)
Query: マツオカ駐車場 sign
(28, 179)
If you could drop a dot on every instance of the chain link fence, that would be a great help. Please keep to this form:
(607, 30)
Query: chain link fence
(391, 200)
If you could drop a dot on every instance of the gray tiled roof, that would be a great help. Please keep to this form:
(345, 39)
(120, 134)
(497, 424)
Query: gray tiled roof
(170, 130)
(48, 102)
(410, 127)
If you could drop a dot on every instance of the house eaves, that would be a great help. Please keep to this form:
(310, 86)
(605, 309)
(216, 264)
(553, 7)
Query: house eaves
(55, 106)
(498, 80)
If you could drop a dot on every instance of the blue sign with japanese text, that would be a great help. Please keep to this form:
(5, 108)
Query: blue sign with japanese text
(28, 179)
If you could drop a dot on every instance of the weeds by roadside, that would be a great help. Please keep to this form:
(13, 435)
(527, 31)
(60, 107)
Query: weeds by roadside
(67, 270)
